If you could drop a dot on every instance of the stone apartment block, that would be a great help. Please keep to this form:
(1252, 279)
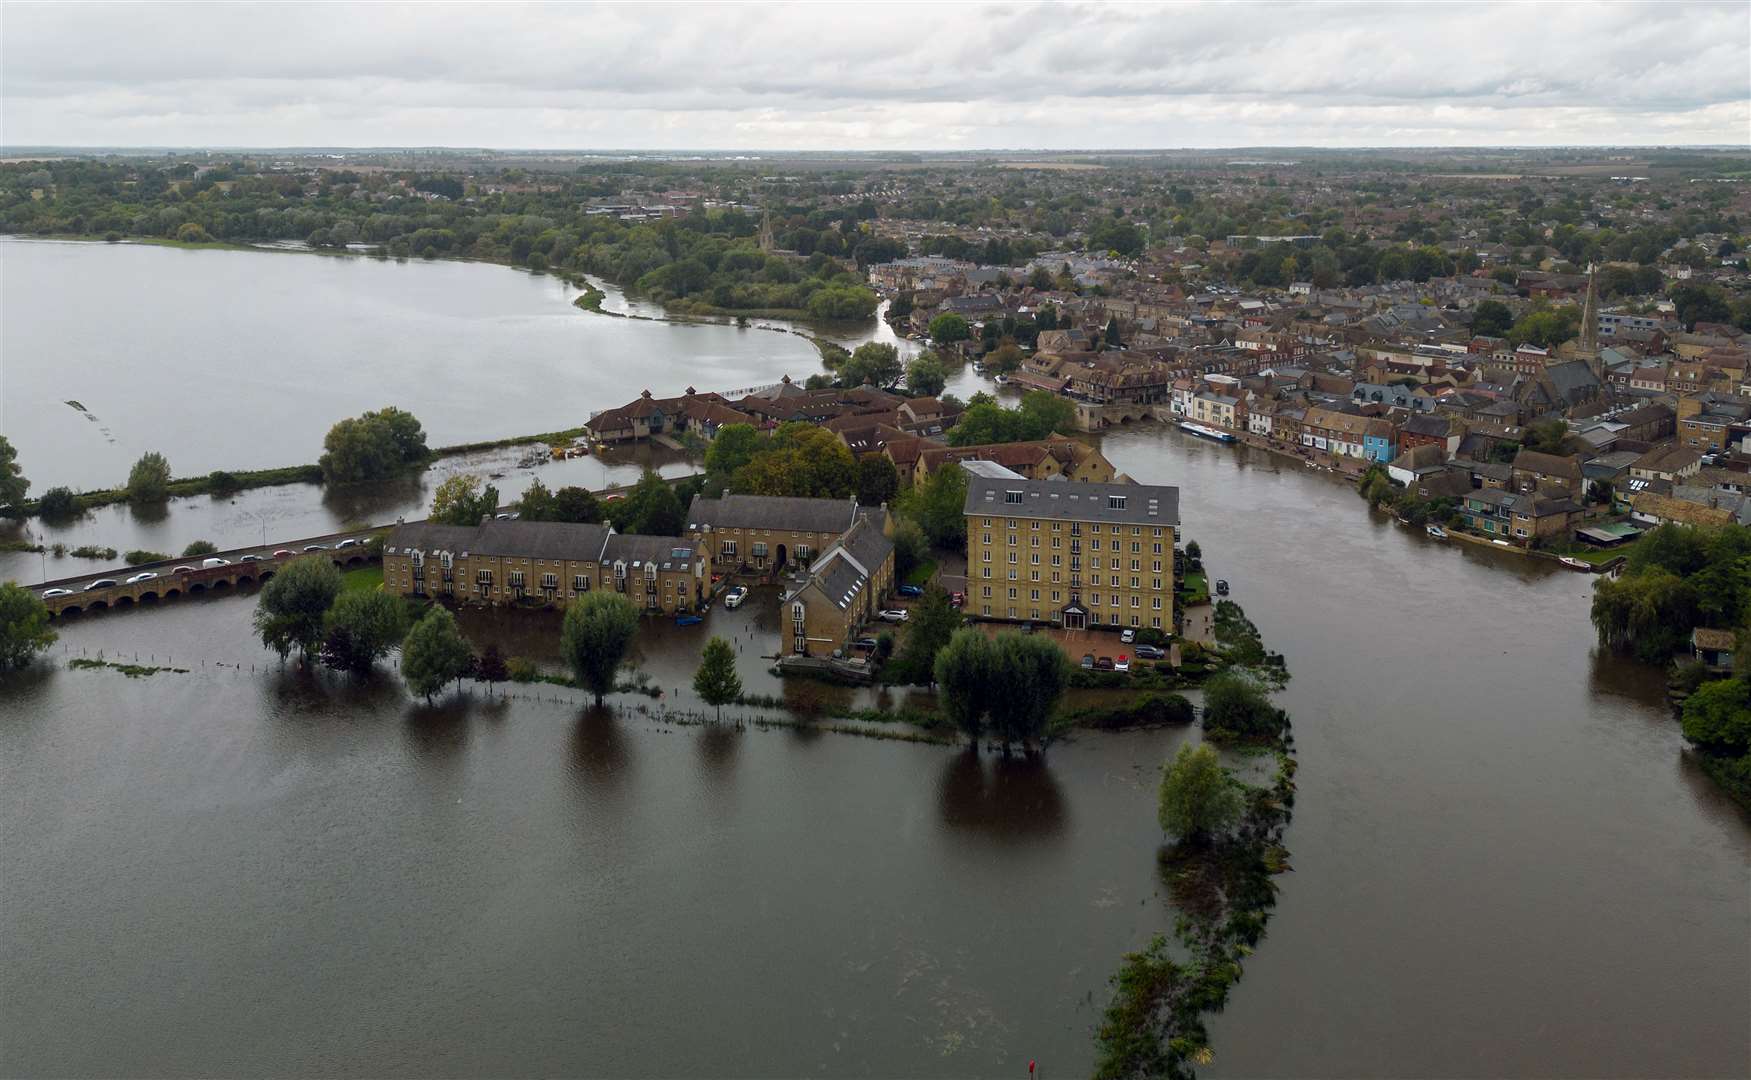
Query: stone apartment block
(1073, 555)
(762, 533)
(844, 589)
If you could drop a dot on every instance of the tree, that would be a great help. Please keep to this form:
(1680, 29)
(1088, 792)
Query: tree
(875, 363)
(716, 681)
(595, 637)
(576, 505)
(290, 609)
(910, 547)
(199, 548)
(461, 500)
(963, 675)
(934, 622)
(800, 460)
(651, 508)
(925, 375)
(13, 485)
(24, 626)
(1237, 707)
(936, 506)
(537, 502)
(1029, 675)
(58, 504)
(1194, 556)
(1491, 318)
(434, 652)
(374, 446)
(361, 627)
(734, 446)
(948, 328)
(1040, 414)
(492, 666)
(1005, 359)
(1199, 800)
(877, 480)
(149, 479)
(1717, 717)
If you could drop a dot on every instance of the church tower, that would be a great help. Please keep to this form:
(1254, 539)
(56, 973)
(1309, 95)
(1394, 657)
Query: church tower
(1588, 349)
(768, 243)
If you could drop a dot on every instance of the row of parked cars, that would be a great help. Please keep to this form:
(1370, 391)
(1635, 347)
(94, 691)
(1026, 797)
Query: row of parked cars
(206, 564)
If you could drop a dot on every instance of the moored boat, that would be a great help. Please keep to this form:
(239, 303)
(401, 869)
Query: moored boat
(1204, 431)
(1437, 532)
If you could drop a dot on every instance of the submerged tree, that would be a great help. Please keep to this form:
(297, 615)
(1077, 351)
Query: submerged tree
(1198, 799)
(434, 652)
(24, 626)
(290, 610)
(716, 681)
(595, 637)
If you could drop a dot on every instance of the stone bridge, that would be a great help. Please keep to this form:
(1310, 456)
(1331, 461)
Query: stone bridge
(1092, 417)
(186, 577)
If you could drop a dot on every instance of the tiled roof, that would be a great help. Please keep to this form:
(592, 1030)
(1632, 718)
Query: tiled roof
(772, 512)
(1139, 504)
(517, 539)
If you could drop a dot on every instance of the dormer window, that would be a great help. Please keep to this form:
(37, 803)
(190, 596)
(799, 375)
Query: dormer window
(1012, 497)
(1115, 502)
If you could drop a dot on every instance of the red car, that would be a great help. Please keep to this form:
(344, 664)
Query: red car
(957, 599)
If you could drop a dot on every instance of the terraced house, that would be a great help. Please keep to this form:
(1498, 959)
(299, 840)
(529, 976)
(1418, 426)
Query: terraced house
(766, 533)
(541, 563)
(1074, 555)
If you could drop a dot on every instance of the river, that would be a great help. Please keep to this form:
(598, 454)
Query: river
(239, 359)
(1503, 865)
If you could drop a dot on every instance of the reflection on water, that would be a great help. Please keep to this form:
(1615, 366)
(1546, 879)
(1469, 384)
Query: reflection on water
(439, 731)
(1006, 797)
(601, 755)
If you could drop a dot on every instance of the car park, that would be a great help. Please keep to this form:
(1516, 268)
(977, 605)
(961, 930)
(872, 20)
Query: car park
(734, 598)
(1104, 663)
(892, 615)
(51, 593)
(208, 564)
(1151, 652)
(1128, 636)
(137, 578)
(102, 583)
(1123, 663)
(910, 590)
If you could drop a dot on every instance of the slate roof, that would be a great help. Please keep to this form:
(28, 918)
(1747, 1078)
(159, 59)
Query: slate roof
(668, 552)
(1144, 504)
(785, 513)
(516, 539)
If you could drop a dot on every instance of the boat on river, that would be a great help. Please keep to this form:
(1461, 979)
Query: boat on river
(1206, 432)
(1575, 564)
(1437, 532)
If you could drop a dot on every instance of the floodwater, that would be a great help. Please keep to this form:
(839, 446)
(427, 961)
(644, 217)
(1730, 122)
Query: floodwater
(1503, 864)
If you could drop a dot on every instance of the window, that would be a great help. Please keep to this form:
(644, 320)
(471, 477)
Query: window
(1034, 595)
(1012, 593)
(1156, 622)
(483, 577)
(796, 615)
(1136, 548)
(1034, 558)
(987, 554)
(804, 552)
(985, 592)
(550, 581)
(1057, 560)
(1013, 558)
(1012, 540)
(1035, 526)
(760, 550)
(727, 549)
(516, 579)
(987, 525)
(580, 583)
(987, 538)
(1155, 602)
(1013, 498)
(985, 609)
(1136, 601)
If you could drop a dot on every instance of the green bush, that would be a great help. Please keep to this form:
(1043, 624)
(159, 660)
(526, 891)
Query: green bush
(521, 670)
(138, 556)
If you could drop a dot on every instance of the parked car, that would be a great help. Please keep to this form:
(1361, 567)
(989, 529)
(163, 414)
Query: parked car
(137, 578)
(249, 558)
(957, 599)
(51, 593)
(1221, 586)
(1088, 661)
(910, 590)
(1104, 663)
(892, 615)
(1123, 663)
(284, 553)
(867, 644)
(208, 564)
(734, 598)
(315, 547)
(1128, 636)
(102, 583)
(1151, 652)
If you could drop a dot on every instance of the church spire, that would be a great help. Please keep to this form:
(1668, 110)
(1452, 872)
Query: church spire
(1588, 349)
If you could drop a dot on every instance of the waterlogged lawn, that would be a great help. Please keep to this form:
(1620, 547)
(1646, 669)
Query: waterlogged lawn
(362, 579)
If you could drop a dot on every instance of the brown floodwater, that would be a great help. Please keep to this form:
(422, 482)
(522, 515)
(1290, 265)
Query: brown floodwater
(1503, 863)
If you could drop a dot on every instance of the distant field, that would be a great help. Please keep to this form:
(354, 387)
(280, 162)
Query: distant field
(1052, 166)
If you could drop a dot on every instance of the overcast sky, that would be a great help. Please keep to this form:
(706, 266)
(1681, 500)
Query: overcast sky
(938, 76)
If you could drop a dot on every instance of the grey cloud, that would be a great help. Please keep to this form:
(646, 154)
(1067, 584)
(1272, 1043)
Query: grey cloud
(735, 76)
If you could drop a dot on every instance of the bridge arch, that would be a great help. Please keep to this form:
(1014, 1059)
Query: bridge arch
(197, 586)
(148, 595)
(221, 583)
(99, 605)
(70, 609)
(124, 601)
(168, 593)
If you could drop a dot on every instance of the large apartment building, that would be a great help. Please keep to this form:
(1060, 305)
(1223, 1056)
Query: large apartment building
(1073, 555)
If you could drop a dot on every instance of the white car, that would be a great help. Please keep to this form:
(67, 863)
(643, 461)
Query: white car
(102, 583)
(48, 593)
(350, 542)
(137, 578)
(1123, 663)
(893, 615)
(734, 598)
(1128, 636)
(208, 564)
